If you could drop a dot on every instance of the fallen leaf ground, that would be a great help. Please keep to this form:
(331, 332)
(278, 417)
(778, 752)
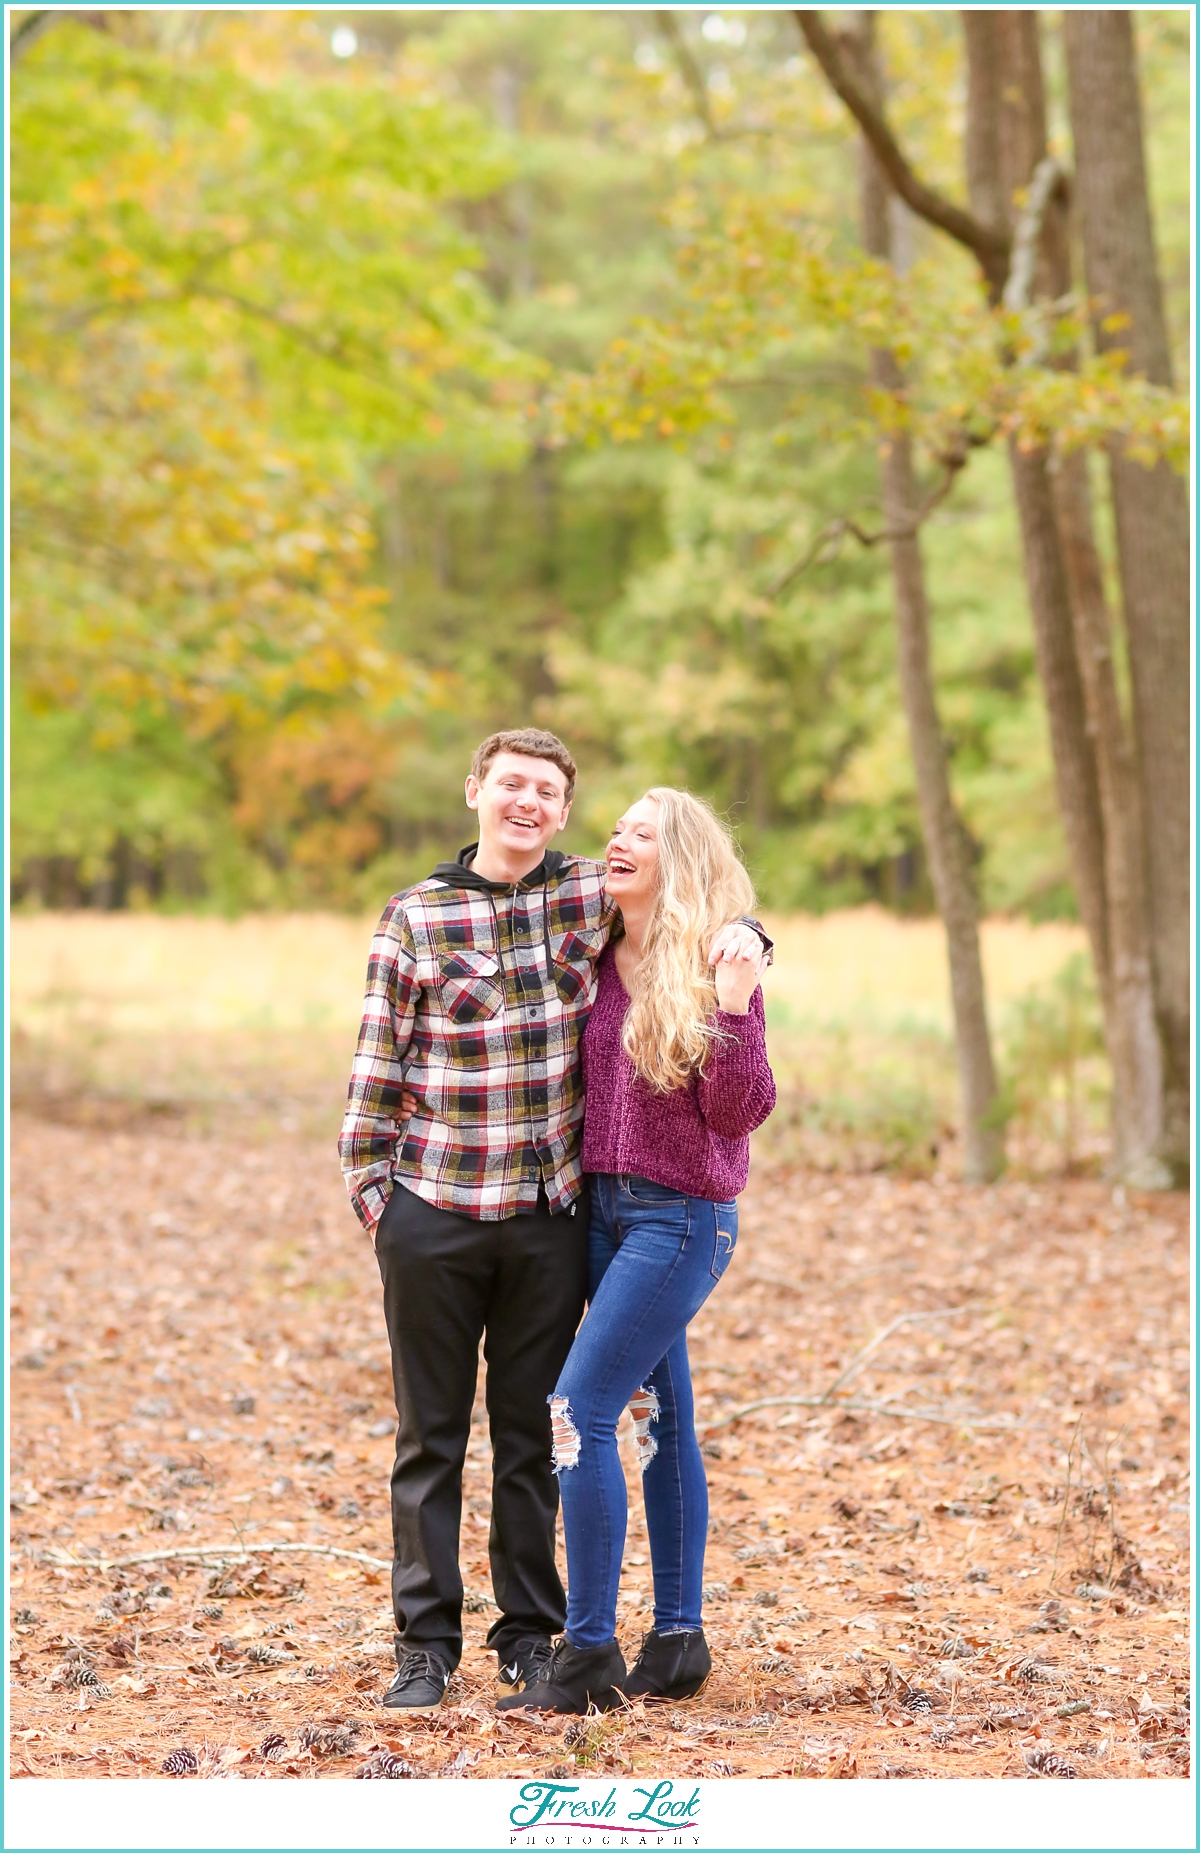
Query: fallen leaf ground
(200, 1359)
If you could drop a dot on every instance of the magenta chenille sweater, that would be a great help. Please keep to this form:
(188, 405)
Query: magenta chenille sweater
(695, 1139)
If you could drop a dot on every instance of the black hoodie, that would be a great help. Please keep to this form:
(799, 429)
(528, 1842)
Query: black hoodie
(461, 874)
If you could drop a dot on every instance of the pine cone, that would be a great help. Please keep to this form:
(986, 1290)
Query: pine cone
(917, 1701)
(328, 1739)
(262, 1655)
(211, 1611)
(181, 1762)
(273, 1748)
(956, 1649)
(1048, 1763)
(77, 1672)
(385, 1766)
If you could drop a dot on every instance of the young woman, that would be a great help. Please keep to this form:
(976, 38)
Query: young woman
(676, 1076)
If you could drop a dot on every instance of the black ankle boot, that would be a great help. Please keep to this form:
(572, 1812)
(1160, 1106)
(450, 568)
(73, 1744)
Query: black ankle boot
(575, 1679)
(670, 1666)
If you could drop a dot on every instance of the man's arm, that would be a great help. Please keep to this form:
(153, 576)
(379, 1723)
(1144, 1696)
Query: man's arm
(740, 939)
(367, 1144)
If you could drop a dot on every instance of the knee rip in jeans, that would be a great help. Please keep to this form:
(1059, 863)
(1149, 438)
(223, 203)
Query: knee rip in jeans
(564, 1435)
(643, 1407)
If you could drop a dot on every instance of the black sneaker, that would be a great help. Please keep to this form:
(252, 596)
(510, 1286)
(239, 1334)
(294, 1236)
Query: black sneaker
(574, 1679)
(670, 1666)
(420, 1682)
(526, 1662)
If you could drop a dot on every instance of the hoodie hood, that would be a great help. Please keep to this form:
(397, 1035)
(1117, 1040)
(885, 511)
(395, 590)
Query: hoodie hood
(461, 874)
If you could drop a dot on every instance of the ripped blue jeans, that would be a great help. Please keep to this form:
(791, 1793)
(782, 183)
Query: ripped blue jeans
(654, 1258)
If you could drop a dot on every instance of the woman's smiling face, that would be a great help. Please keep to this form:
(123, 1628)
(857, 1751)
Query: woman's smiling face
(631, 859)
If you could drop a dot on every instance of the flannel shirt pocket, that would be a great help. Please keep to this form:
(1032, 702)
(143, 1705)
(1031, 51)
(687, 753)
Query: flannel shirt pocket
(469, 986)
(575, 958)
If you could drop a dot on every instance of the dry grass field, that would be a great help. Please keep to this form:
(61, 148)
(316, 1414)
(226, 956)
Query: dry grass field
(200, 1017)
(959, 1549)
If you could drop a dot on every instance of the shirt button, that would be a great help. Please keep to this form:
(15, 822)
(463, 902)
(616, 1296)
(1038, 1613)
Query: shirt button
(534, 1013)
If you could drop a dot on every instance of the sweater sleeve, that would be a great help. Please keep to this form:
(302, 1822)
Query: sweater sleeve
(737, 1089)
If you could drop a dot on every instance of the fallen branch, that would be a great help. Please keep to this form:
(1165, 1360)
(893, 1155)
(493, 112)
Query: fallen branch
(977, 1424)
(231, 1553)
(860, 1358)
(827, 1400)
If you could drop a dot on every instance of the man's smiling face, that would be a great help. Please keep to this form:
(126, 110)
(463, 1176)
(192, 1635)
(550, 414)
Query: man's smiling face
(522, 804)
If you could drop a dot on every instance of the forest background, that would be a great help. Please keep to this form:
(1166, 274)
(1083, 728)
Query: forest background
(381, 378)
(375, 384)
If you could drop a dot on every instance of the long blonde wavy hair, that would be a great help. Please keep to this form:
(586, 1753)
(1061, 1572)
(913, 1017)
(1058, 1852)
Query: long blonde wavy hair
(701, 886)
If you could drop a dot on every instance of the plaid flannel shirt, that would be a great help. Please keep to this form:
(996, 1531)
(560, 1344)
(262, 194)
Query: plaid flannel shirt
(476, 1001)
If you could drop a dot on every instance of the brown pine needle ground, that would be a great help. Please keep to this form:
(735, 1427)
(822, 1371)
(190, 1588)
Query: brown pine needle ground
(200, 1359)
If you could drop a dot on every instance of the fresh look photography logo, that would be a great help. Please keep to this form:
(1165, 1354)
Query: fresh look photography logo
(575, 1814)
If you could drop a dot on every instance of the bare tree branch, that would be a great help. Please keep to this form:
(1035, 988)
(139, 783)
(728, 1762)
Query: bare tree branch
(29, 32)
(1048, 176)
(990, 245)
(825, 547)
(689, 70)
(32, 27)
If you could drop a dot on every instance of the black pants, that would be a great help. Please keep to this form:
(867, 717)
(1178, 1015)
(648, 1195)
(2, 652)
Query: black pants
(447, 1280)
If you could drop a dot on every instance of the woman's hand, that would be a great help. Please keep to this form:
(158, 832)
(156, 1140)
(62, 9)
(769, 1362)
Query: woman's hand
(736, 978)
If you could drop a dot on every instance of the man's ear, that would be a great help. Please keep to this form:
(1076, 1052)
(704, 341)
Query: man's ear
(566, 812)
(472, 789)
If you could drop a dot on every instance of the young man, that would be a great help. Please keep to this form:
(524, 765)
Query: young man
(460, 1150)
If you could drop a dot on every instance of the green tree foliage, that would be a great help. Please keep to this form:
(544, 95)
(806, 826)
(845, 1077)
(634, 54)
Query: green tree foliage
(306, 499)
(232, 277)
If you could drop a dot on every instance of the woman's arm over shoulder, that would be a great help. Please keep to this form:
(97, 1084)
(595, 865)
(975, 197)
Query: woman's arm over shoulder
(736, 1092)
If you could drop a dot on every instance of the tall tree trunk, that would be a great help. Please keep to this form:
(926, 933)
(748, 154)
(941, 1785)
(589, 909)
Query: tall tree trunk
(944, 836)
(1099, 801)
(1132, 1035)
(1075, 775)
(1151, 511)
(1103, 816)
(998, 131)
